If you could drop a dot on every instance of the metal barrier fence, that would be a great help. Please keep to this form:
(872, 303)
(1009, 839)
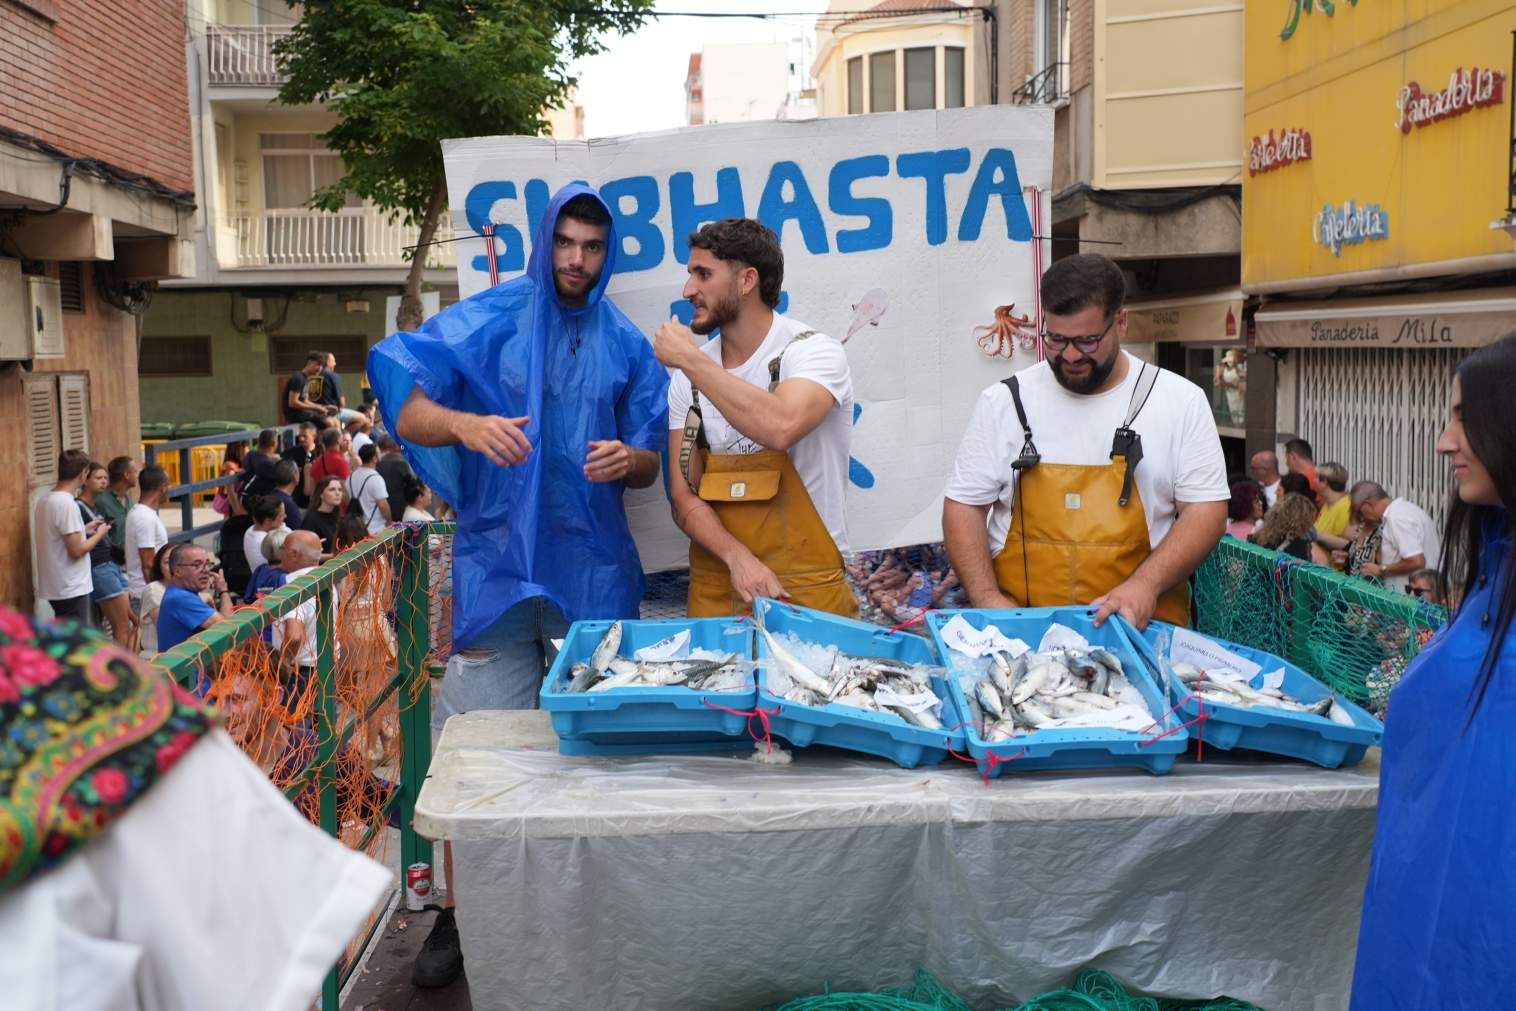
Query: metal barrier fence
(185, 491)
(1351, 633)
(377, 609)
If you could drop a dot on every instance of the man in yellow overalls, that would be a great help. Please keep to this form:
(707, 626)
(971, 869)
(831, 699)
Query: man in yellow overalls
(760, 424)
(1090, 478)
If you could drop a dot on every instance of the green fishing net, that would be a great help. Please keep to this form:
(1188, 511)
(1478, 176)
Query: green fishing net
(1352, 634)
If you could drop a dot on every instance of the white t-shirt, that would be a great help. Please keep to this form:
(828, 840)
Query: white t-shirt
(304, 613)
(1271, 493)
(143, 530)
(59, 577)
(1407, 531)
(366, 488)
(821, 457)
(1181, 461)
(360, 439)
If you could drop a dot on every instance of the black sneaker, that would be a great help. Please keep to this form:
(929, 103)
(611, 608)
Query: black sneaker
(440, 960)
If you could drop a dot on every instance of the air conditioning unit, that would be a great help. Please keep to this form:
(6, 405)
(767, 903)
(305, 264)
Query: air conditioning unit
(15, 337)
(44, 311)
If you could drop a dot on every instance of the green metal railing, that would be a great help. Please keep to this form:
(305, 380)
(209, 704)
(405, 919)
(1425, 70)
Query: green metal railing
(1349, 632)
(406, 546)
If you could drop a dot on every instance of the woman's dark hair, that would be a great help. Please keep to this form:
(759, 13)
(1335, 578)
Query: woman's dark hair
(1296, 484)
(751, 243)
(1245, 495)
(350, 530)
(264, 507)
(320, 490)
(414, 489)
(235, 453)
(1485, 379)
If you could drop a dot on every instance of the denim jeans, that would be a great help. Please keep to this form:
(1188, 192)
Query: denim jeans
(503, 668)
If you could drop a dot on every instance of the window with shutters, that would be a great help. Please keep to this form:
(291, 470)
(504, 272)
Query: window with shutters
(71, 286)
(174, 356)
(43, 443)
(286, 355)
(73, 410)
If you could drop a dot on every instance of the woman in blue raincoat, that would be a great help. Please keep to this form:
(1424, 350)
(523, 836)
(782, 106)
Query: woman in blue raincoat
(1439, 916)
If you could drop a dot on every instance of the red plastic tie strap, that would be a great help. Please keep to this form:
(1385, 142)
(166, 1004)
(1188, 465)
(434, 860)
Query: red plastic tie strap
(990, 761)
(1198, 723)
(918, 619)
(767, 740)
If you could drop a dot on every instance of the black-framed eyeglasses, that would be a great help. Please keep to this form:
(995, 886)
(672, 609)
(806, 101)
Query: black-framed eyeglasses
(1084, 345)
(203, 563)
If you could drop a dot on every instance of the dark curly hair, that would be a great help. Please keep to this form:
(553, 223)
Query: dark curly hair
(750, 243)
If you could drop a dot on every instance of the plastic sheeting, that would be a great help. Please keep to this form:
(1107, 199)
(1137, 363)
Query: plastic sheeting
(1439, 929)
(697, 881)
(540, 528)
(210, 892)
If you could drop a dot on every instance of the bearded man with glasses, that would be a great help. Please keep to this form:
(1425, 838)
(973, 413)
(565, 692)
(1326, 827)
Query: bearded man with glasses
(1090, 478)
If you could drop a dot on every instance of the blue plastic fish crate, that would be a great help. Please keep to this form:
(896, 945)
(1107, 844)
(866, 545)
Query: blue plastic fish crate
(843, 726)
(1306, 736)
(642, 721)
(1072, 748)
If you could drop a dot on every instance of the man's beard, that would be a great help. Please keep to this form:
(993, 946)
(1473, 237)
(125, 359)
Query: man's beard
(720, 314)
(561, 281)
(1099, 372)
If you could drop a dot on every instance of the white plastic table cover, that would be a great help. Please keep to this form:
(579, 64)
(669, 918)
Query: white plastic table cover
(719, 882)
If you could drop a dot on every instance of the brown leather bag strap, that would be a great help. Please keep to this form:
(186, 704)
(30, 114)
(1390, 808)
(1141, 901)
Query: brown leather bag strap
(779, 358)
(694, 437)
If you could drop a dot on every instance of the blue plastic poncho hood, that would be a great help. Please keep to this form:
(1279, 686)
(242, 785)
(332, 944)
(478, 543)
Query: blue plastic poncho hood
(580, 374)
(1439, 911)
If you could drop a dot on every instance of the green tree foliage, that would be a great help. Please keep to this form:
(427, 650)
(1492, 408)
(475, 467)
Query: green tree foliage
(403, 75)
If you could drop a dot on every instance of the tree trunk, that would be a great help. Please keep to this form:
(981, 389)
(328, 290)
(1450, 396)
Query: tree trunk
(409, 316)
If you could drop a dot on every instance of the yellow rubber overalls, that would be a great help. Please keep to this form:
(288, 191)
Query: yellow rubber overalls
(1079, 531)
(761, 500)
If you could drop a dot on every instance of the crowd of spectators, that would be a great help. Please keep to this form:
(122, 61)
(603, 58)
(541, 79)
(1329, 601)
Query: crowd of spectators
(1312, 513)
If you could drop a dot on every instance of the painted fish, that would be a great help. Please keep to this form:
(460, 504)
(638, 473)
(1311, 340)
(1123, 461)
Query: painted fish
(867, 311)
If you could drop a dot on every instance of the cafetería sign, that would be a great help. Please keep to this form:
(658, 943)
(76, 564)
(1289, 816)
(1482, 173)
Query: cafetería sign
(1267, 154)
(1349, 225)
(1467, 89)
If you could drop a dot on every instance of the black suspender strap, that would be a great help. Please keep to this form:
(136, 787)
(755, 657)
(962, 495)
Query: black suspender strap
(1127, 443)
(1028, 457)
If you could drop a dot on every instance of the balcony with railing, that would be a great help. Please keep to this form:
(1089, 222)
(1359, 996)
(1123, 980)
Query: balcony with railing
(243, 55)
(351, 237)
(1048, 85)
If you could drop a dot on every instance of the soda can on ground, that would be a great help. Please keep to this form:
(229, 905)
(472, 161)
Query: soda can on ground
(418, 886)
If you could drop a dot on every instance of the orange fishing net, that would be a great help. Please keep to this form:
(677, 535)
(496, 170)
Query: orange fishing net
(279, 712)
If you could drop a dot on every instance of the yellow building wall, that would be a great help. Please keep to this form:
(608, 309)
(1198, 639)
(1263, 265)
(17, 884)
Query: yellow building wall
(1339, 77)
(1168, 93)
(831, 72)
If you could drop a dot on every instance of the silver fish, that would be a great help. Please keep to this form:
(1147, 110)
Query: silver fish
(1000, 731)
(1030, 714)
(1106, 658)
(923, 719)
(1338, 713)
(1094, 699)
(601, 658)
(1000, 673)
(581, 675)
(625, 680)
(988, 697)
(1031, 683)
(787, 662)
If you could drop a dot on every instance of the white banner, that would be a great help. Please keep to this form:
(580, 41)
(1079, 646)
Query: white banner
(902, 234)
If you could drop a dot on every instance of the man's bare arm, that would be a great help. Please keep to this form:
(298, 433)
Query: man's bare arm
(965, 533)
(427, 423)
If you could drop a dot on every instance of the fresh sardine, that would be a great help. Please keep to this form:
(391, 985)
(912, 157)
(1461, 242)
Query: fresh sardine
(1032, 682)
(601, 658)
(787, 662)
(581, 676)
(988, 697)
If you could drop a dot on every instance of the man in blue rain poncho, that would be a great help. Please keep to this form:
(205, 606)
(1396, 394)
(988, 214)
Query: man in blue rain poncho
(530, 407)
